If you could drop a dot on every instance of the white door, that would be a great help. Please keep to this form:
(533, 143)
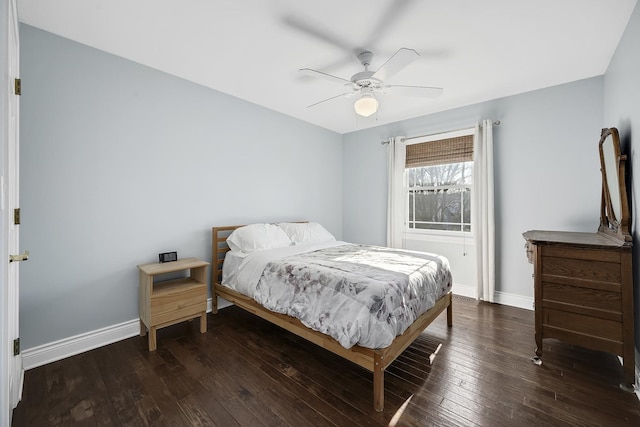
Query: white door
(9, 203)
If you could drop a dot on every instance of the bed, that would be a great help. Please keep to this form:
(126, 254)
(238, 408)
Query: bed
(375, 342)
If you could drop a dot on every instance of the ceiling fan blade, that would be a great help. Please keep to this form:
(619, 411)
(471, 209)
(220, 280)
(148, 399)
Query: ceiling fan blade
(346, 95)
(417, 91)
(325, 76)
(316, 31)
(388, 17)
(397, 62)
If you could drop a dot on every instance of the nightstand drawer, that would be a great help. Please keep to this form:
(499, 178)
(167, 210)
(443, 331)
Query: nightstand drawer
(177, 302)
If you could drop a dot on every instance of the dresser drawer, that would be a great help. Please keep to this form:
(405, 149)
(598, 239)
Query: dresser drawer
(584, 325)
(584, 297)
(582, 270)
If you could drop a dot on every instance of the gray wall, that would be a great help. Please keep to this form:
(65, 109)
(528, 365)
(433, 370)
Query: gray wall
(622, 110)
(121, 162)
(547, 171)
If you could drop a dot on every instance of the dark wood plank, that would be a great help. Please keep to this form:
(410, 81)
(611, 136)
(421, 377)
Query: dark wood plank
(245, 371)
(321, 390)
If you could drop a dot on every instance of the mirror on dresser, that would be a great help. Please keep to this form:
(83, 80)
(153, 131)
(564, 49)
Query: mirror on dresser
(614, 214)
(583, 285)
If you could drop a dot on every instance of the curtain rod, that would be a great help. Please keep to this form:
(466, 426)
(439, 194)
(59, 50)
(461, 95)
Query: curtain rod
(496, 123)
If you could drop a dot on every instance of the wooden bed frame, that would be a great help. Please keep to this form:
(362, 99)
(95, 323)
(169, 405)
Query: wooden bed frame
(375, 361)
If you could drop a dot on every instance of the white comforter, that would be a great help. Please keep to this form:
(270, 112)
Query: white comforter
(365, 295)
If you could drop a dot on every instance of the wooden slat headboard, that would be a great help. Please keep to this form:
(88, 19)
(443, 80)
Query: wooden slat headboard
(219, 249)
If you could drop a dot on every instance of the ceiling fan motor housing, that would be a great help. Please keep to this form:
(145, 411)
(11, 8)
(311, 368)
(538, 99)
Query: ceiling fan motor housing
(365, 79)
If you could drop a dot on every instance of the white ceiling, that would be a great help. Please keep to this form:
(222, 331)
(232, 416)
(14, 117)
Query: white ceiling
(253, 49)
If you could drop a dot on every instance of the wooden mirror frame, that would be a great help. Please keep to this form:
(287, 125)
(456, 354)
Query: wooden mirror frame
(610, 225)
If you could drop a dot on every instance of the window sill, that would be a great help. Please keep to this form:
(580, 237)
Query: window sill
(435, 236)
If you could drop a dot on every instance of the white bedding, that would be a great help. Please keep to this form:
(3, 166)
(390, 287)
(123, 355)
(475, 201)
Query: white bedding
(365, 295)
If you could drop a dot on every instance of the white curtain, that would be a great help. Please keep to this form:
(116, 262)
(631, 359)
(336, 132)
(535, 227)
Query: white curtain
(482, 213)
(395, 194)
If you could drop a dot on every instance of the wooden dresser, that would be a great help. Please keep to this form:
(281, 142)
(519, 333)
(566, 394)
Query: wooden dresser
(583, 281)
(583, 292)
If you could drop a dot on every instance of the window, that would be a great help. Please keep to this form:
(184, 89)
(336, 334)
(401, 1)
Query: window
(440, 197)
(438, 180)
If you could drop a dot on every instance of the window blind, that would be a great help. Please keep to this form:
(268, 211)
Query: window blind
(439, 152)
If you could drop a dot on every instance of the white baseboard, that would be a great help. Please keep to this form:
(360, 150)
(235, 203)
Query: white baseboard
(500, 297)
(57, 350)
(464, 290)
(67, 347)
(222, 303)
(514, 300)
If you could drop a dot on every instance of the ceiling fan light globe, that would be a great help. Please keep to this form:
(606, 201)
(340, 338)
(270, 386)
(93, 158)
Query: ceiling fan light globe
(366, 106)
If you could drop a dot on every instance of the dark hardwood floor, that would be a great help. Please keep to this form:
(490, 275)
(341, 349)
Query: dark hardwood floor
(245, 371)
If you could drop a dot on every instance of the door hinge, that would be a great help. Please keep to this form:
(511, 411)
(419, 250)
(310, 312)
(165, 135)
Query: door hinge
(16, 346)
(16, 216)
(18, 87)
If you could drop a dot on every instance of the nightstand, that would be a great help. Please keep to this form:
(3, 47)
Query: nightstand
(164, 303)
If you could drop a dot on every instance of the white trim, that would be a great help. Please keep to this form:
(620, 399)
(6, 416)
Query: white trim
(11, 366)
(67, 347)
(514, 300)
(464, 290)
(61, 349)
(440, 237)
(502, 298)
(222, 303)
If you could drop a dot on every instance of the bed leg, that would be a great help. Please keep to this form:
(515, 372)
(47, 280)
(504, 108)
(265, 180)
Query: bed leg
(450, 311)
(378, 382)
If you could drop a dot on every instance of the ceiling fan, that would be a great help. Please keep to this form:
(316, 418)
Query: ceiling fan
(366, 84)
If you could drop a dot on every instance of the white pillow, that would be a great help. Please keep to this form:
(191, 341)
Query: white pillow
(257, 237)
(306, 232)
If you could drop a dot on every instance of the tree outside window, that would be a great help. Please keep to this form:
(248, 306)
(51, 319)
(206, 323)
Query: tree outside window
(439, 196)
